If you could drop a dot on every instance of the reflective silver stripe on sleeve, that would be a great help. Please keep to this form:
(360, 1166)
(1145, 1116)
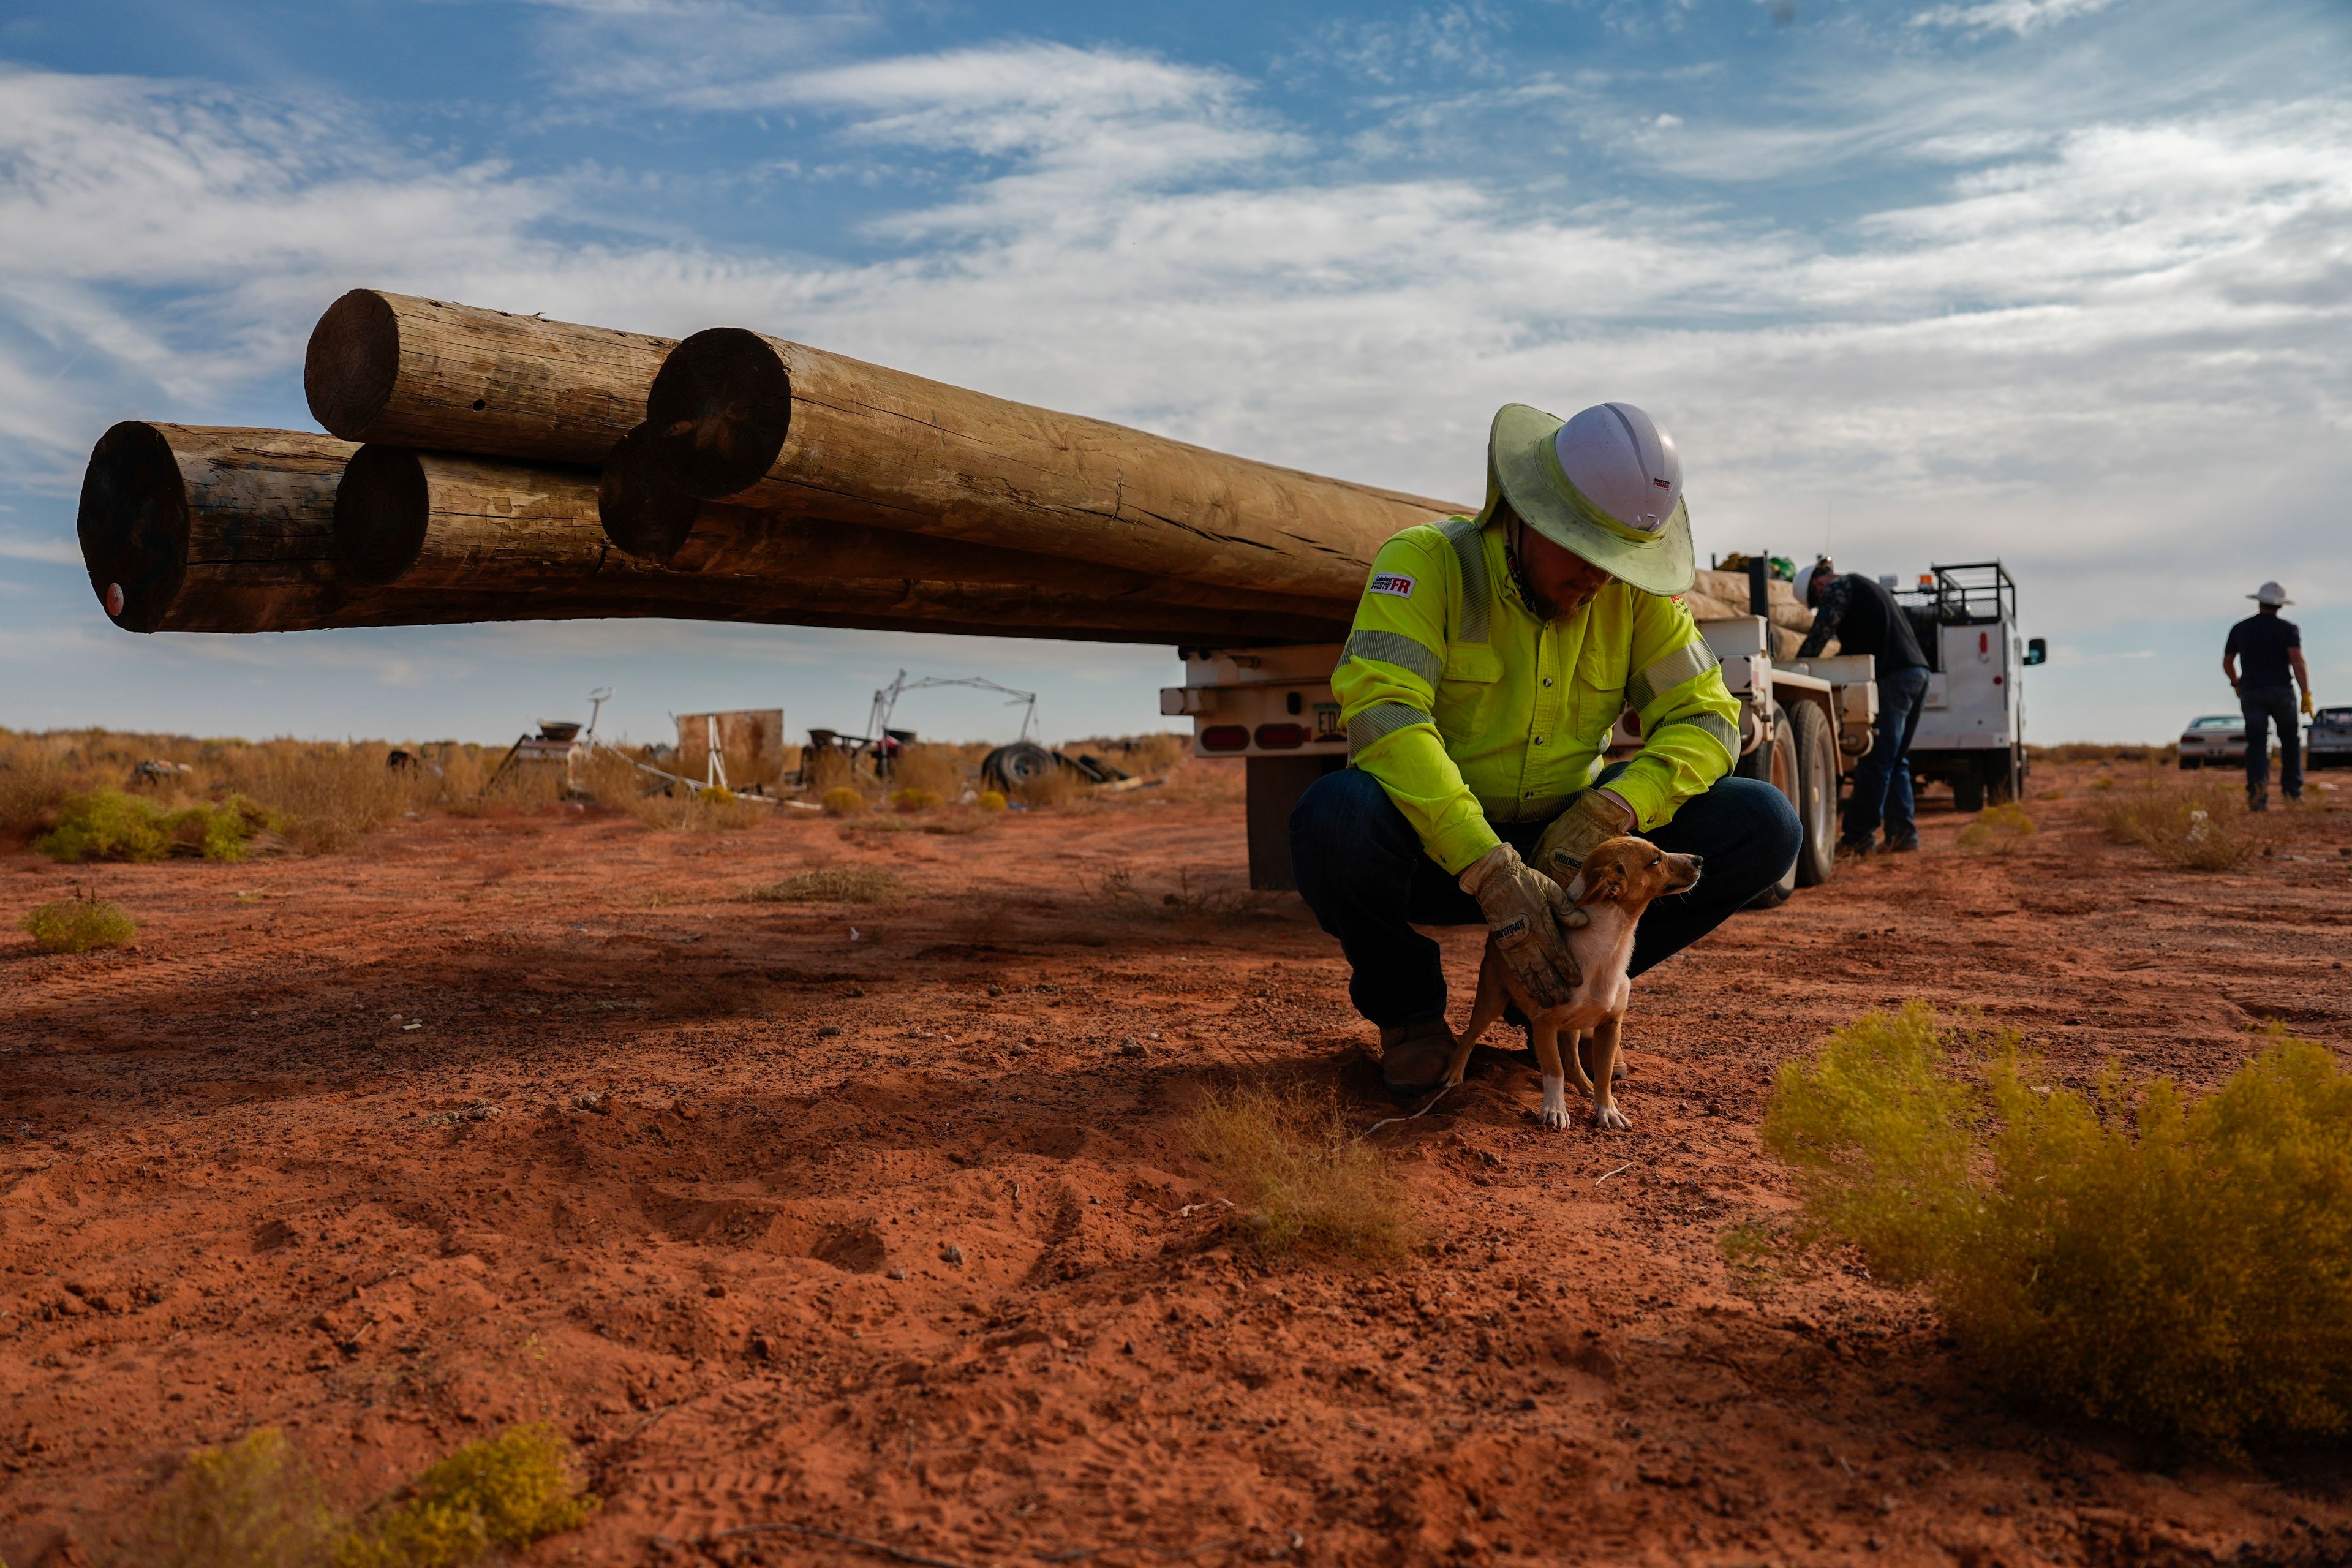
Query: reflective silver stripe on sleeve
(1382, 719)
(1396, 649)
(1470, 549)
(1722, 729)
(1692, 659)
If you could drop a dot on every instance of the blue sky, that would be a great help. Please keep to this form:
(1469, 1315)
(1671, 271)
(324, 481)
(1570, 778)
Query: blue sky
(2063, 281)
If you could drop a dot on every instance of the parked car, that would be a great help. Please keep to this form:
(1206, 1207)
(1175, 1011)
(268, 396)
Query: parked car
(2216, 738)
(2328, 744)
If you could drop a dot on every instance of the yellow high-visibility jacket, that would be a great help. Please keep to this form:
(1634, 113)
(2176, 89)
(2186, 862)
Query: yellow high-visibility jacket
(1470, 710)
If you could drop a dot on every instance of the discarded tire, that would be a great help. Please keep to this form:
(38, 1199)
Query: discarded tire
(1009, 767)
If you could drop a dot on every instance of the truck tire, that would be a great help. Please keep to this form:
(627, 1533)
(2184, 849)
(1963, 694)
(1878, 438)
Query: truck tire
(1817, 792)
(1007, 768)
(1776, 764)
(2190, 764)
(1967, 792)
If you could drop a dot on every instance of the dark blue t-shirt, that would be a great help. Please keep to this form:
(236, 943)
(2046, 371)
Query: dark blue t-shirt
(2260, 643)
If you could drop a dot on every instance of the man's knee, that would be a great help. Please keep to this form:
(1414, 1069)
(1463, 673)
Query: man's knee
(1760, 824)
(1343, 830)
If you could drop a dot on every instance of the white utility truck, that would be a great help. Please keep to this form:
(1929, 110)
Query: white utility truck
(1802, 725)
(1971, 731)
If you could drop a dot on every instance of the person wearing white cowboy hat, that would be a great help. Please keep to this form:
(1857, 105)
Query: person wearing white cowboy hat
(1490, 659)
(2271, 647)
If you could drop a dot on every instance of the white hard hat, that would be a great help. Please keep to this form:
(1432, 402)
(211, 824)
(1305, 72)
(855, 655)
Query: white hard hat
(2270, 594)
(1805, 576)
(1624, 462)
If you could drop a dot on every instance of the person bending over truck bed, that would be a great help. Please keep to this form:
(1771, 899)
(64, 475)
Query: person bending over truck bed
(1864, 618)
(1489, 659)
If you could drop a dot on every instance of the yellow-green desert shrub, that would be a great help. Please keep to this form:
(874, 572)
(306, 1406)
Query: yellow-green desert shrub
(504, 1493)
(1998, 830)
(108, 825)
(843, 801)
(252, 1503)
(2182, 1267)
(79, 925)
(255, 1503)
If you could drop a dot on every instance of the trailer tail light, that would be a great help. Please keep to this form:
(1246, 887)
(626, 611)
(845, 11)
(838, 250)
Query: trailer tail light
(1224, 738)
(1281, 737)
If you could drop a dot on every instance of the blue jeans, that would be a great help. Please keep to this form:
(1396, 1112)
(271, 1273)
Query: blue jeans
(2264, 706)
(1881, 781)
(1361, 868)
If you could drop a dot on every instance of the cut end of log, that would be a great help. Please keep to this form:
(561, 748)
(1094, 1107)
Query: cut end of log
(352, 364)
(643, 514)
(134, 525)
(381, 510)
(719, 411)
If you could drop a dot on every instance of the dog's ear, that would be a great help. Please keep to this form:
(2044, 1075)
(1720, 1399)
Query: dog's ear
(1602, 884)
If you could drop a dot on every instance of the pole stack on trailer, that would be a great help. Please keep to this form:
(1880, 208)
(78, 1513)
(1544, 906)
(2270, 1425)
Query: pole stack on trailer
(484, 465)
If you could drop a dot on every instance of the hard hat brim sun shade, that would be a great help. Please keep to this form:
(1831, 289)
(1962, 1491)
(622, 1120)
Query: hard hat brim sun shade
(1523, 465)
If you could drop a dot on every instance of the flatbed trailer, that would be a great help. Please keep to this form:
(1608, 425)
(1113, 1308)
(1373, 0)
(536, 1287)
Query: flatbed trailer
(1801, 727)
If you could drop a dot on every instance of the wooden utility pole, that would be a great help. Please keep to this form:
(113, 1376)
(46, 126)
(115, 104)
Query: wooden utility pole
(755, 421)
(403, 371)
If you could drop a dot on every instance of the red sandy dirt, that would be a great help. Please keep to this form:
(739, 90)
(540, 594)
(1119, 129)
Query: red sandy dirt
(315, 1155)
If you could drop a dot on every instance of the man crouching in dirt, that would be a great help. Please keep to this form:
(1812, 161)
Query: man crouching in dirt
(1489, 661)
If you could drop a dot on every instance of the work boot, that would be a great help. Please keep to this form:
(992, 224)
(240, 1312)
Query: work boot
(2258, 802)
(1414, 1057)
(1903, 844)
(1854, 848)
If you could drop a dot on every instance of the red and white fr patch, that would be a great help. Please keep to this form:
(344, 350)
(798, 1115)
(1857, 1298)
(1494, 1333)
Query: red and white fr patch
(1391, 582)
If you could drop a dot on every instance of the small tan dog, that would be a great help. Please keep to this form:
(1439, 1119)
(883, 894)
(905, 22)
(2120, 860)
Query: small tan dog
(1619, 879)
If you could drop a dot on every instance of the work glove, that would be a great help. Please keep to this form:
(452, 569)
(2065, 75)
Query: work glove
(2307, 711)
(1525, 911)
(1578, 831)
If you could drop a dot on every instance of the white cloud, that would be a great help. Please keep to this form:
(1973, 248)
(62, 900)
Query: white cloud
(57, 552)
(2021, 17)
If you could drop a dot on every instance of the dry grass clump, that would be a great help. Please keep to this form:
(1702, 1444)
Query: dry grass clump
(1307, 1180)
(915, 800)
(936, 770)
(1056, 788)
(34, 782)
(611, 776)
(2202, 826)
(80, 924)
(843, 801)
(255, 1503)
(1141, 756)
(831, 885)
(323, 798)
(992, 800)
(1998, 830)
(2095, 751)
(2182, 1268)
(1118, 888)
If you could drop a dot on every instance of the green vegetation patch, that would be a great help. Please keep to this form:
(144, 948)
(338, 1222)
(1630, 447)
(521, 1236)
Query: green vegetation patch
(108, 825)
(2183, 1268)
(504, 1493)
(254, 1503)
(79, 925)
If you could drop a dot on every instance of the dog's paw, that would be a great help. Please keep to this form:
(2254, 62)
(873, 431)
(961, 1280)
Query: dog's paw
(1612, 1119)
(1554, 1114)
